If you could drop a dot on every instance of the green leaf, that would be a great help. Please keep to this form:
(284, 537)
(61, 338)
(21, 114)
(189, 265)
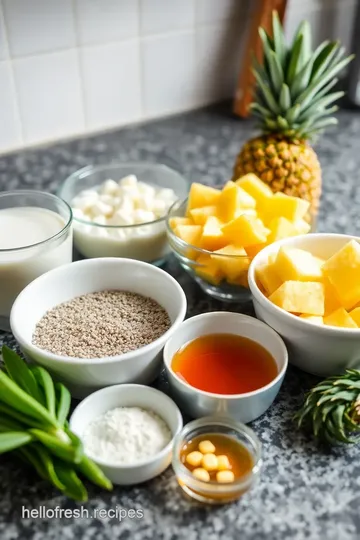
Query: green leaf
(319, 105)
(267, 95)
(323, 59)
(28, 454)
(7, 411)
(301, 80)
(63, 450)
(63, 402)
(285, 99)
(293, 114)
(73, 487)
(278, 38)
(295, 60)
(45, 381)
(48, 465)
(91, 471)
(276, 72)
(19, 372)
(12, 440)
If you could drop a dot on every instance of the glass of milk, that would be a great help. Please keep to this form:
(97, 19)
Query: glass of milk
(35, 236)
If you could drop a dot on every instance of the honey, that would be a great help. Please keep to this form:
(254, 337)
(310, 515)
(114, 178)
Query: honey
(224, 364)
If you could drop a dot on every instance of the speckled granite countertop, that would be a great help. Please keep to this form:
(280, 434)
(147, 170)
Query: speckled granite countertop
(305, 491)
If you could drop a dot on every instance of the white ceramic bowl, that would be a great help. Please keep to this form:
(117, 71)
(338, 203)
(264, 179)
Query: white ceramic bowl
(242, 407)
(83, 376)
(320, 350)
(129, 395)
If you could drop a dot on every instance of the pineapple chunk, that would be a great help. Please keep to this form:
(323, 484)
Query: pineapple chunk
(212, 237)
(201, 195)
(302, 226)
(191, 234)
(312, 318)
(297, 265)
(233, 198)
(175, 221)
(272, 258)
(241, 280)
(280, 228)
(208, 270)
(200, 215)
(268, 278)
(291, 208)
(341, 318)
(343, 270)
(355, 315)
(256, 188)
(332, 302)
(255, 249)
(245, 231)
(231, 260)
(300, 297)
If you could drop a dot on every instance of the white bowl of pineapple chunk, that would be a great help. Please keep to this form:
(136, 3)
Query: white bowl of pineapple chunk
(216, 232)
(307, 288)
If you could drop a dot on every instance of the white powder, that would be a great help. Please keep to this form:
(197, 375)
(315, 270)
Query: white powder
(126, 435)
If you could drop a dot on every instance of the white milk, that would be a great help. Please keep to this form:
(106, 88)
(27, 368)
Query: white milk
(21, 227)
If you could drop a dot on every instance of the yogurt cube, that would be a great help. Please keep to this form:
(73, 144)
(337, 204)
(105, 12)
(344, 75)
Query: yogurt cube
(129, 181)
(143, 216)
(100, 209)
(109, 187)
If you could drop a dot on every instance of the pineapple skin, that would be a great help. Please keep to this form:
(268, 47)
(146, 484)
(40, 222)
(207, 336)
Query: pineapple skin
(289, 166)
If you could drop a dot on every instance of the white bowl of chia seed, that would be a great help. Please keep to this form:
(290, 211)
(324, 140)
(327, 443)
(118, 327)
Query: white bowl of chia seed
(99, 322)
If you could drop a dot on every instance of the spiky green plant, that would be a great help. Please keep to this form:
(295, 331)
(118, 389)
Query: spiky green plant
(332, 408)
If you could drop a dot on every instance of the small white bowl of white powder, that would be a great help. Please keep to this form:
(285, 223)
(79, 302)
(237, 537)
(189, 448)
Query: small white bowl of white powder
(128, 430)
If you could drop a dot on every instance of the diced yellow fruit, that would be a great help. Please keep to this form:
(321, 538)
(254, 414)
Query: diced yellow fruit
(291, 208)
(233, 198)
(294, 264)
(272, 258)
(194, 458)
(332, 302)
(341, 318)
(255, 249)
(312, 318)
(302, 226)
(256, 188)
(208, 270)
(268, 278)
(201, 195)
(223, 463)
(300, 297)
(200, 215)
(343, 270)
(191, 234)
(210, 462)
(175, 221)
(232, 260)
(280, 228)
(246, 211)
(225, 477)
(201, 474)
(245, 231)
(206, 447)
(355, 315)
(240, 281)
(212, 236)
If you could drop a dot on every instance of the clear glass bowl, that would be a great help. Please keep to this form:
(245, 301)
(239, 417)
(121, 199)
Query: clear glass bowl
(213, 492)
(190, 258)
(22, 264)
(145, 241)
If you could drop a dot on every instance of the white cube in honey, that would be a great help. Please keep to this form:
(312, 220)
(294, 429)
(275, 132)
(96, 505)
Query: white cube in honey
(194, 458)
(210, 462)
(201, 474)
(206, 447)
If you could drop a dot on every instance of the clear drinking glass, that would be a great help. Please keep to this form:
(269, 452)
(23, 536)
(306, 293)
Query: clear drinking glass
(40, 215)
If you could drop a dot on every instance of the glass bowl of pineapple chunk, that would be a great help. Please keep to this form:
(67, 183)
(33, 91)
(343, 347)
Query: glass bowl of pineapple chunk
(217, 231)
(308, 289)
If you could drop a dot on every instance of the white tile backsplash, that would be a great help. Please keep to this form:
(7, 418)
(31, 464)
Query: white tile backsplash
(111, 79)
(10, 131)
(104, 21)
(168, 74)
(36, 26)
(158, 16)
(70, 67)
(49, 96)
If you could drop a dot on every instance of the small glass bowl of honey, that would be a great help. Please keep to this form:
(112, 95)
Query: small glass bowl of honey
(216, 460)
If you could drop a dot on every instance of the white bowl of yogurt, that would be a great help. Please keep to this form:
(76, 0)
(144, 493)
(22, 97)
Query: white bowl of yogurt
(35, 237)
(120, 209)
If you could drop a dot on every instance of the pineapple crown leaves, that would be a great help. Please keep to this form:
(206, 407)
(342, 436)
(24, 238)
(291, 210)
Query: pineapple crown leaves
(332, 408)
(293, 83)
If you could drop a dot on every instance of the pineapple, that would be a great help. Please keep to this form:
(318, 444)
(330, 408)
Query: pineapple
(332, 408)
(292, 101)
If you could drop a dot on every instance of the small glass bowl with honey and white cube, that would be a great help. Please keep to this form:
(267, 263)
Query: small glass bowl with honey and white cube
(216, 460)
(216, 232)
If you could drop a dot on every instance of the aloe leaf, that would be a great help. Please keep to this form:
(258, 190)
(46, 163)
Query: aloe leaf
(93, 473)
(63, 403)
(45, 381)
(13, 439)
(267, 95)
(278, 38)
(19, 372)
(63, 450)
(12, 395)
(73, 486)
